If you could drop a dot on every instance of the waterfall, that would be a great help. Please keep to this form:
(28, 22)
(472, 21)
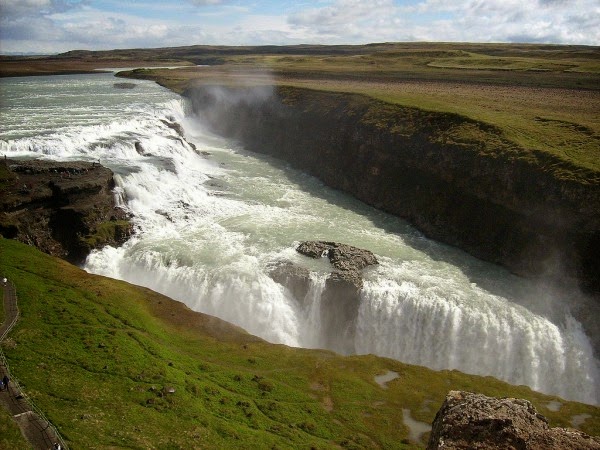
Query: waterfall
(475, 333)
(212, 223)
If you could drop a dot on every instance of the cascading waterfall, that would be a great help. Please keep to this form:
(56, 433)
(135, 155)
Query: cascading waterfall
(444, 328)
(210, 228)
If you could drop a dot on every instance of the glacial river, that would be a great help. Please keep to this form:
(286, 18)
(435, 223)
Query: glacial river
(211, 223)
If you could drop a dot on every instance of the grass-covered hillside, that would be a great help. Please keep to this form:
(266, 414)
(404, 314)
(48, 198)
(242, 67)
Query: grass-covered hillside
(117, 366)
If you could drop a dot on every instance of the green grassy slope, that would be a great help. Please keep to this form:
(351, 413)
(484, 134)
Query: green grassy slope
(10, 435)
(99, 357)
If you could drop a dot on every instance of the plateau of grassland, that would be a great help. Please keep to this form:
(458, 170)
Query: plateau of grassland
(115, 365)
(543, 97)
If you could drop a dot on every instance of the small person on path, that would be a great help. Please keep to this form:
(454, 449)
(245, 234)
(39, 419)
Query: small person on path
(1, 385)
(4, 281)
(5, 380)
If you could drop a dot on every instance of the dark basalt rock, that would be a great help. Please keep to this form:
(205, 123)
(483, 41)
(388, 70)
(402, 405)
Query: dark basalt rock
(347, 260)
(63, 208)
(474, 421)
(341, 297)
(174, 126)
(140, 148)
(293, 277)
(179, 130)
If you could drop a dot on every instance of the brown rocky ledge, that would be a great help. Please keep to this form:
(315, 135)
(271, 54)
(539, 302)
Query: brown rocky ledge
(63, 208)
(474, 421)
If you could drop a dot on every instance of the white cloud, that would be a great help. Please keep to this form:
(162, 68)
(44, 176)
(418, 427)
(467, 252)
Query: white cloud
(349, 21)
(206, 2)
(36, 8)
(60, 25)
(342, 12)
(552, 21)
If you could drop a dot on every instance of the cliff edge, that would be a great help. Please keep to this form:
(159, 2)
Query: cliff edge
(63, 208)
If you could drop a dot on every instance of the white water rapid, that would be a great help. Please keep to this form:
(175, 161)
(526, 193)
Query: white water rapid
(212, 222)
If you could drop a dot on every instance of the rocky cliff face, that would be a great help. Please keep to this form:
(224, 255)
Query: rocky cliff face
(474, 421)
(65, 209)
(457, 180)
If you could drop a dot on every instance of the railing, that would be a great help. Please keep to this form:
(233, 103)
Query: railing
(43, 424)
(13, 306)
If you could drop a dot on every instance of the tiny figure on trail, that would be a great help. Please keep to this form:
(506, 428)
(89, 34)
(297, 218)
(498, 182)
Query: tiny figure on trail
(56, 446)
(4, 281)
(5, 380)
(1, 385)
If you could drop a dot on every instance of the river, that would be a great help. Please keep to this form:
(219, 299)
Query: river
(212, 221)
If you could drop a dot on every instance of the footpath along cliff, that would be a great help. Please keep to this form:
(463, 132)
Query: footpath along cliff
(457, 180)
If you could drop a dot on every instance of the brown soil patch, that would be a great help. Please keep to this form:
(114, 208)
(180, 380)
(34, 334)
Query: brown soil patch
(327, 403)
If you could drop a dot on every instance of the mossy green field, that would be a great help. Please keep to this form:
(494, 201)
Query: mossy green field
(113, 365)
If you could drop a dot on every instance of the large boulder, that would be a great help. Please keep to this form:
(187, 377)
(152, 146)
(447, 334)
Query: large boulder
(340, 298)
(474, 421)
(295, 278)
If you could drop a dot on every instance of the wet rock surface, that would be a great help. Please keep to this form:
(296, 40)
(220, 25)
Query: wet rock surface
(340, 299)
(346, 259)
(63, 208)
(293, 277)
(474, 421)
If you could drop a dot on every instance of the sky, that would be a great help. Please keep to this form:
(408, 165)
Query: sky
(54, 26)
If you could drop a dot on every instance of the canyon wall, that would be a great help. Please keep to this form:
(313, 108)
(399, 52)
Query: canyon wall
(457, 180)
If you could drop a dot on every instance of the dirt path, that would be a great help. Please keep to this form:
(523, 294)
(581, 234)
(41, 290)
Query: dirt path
(36, 429)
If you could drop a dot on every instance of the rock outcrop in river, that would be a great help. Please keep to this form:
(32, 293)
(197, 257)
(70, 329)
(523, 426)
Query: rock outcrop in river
(346, 259)
(457, 180)
(63, 208)
(474, 421)
(340, 299)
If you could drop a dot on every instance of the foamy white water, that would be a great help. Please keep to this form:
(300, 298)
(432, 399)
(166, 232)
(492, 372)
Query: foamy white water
(211, 226)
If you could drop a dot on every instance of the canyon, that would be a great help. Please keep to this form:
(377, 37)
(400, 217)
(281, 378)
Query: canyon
(457, 180)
